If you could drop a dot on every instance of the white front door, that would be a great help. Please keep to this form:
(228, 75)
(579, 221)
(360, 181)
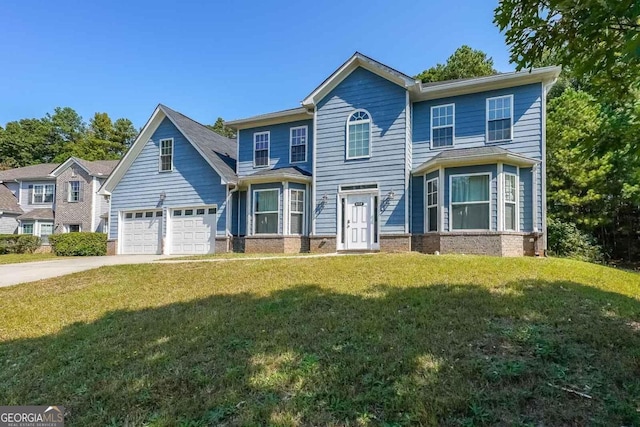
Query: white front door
(358, 227)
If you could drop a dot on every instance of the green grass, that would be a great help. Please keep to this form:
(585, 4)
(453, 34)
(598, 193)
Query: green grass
(19, 258)
(388, 340)
(235, 255)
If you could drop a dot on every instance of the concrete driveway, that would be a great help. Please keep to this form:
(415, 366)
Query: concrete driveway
(12, 274)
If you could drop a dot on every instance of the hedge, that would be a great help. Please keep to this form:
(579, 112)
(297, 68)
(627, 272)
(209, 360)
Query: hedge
(19, 243)
(79, 244)
(566, 240)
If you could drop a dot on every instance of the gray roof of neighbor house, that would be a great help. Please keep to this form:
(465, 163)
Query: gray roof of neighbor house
(43, 213)
(99, 167)
(8, 202)
(41, 171)
(219, 150)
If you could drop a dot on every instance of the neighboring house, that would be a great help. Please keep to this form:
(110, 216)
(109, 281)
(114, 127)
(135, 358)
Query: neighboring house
(372, 160)
(54, 198)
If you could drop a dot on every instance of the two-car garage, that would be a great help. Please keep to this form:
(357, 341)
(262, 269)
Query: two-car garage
(189, 230)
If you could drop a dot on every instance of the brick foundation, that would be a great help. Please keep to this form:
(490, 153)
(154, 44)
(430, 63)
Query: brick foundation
(507, 244)
(112, 247)
(395, 243)
(223, 244)
(276, 244)
(322, 244)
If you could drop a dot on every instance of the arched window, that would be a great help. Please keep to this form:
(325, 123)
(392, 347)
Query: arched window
(358, 135)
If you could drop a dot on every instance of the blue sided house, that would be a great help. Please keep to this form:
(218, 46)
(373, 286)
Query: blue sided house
(372, 160)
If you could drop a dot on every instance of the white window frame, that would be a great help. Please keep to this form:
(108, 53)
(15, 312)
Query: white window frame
(452, 125)
(486, 122)
(67, 227)
(44, 193)
(254, 212)
(33, 228)
(160, 155)
(303, 212)
(70, 192)
(433, 205)
(451, 203)
(515, 203)
(255, 134)
(306, 143)
(349, 123)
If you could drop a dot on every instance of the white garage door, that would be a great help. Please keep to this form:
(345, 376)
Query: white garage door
(193, 230)
(141, 232)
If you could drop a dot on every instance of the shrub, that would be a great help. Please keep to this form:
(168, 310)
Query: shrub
(566, 240)
(19, 243)
(79, 244)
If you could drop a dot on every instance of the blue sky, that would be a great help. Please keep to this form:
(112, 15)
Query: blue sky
(206, 59)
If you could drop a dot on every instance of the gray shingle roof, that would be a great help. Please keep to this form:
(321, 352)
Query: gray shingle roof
(8, 202)
(287, 172)
(99, 167)
(43, 213)
(474, 154)
(40, 171)
(219, 150)
(471, 152)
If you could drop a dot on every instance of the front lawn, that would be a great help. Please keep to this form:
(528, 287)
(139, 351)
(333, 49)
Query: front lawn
(19, 258)
(356, 340)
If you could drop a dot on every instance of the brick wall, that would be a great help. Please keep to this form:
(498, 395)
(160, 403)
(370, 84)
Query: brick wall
(223, 244)
(395, 243)
(322, 244)
(474, 243)
(112, 247)
(73, 212)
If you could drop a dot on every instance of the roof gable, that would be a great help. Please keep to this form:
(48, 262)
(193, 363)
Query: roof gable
(218, 151)
(363, 61)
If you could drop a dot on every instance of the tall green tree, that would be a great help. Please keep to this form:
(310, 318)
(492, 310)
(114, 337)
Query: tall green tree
(220, 128)
(463, 63)
(598, 40)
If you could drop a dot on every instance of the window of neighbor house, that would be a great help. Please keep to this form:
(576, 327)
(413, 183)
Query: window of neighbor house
(73, 228)
(43, 193)
(74, 191)
(27, 228)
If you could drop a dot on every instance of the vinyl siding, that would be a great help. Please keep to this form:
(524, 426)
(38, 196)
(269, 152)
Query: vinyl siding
(470, 131)
(279, 147)
(386, 103)
(25, 200)
(193, 182)
(470, 122)
(8, 224)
